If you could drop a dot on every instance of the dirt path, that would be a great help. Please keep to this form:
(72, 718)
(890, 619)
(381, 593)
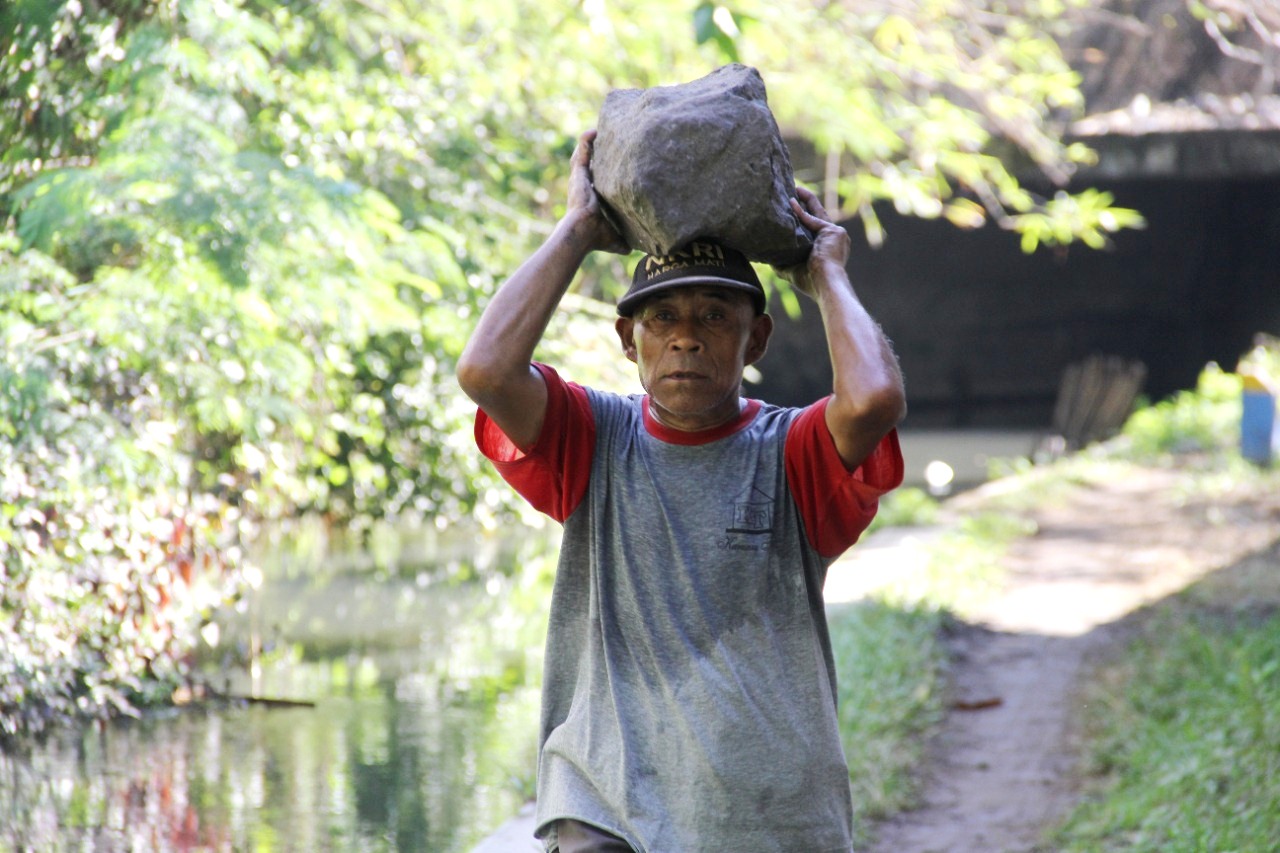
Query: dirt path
(1002, 769)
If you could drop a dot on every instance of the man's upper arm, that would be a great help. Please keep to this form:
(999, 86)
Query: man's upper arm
(836, 504)
(856, 436)
(518, 407)
(552, 470)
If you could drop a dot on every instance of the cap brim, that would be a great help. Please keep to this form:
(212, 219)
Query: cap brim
(628, 304)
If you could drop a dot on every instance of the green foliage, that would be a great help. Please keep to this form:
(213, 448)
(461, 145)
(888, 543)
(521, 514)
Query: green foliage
(335, 187)
(244, 240)
(107, 564)
(307, 331)
(1261, 365)
(906, 507)
(55, 101)
(719, 24)
(1088, 216)
(890, 664)
(1206, 419)
(929, 107)
(1190, 740)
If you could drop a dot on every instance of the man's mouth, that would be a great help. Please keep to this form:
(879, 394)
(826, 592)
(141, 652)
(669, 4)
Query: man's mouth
(685, 375)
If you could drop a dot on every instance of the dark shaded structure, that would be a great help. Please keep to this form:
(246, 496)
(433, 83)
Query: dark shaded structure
(1187, 135)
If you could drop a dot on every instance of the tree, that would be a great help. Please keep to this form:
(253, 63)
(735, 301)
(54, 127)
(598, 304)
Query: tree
(254, 233)
(942, 108)
(1247, 31)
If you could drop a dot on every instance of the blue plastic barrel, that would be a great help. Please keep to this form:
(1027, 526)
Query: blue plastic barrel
(1258, 426)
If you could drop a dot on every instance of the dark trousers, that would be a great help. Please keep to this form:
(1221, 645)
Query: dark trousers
(576, 837)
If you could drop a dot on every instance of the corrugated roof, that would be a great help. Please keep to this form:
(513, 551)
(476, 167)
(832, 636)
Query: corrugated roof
(1154, 67)
(1204, 112)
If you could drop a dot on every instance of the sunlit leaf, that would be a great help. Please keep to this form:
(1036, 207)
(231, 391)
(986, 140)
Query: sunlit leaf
(965, 213)
(892, 33)
(257, 309)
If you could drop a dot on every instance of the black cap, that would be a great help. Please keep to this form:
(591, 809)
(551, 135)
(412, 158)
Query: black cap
(699, 262)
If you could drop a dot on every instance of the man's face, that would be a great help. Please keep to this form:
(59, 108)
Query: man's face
(691, 345)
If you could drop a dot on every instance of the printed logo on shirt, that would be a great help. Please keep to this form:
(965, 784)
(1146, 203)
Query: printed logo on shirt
(752, 523)
(752, 517)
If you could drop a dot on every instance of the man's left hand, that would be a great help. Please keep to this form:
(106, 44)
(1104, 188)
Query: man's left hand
(830, 243)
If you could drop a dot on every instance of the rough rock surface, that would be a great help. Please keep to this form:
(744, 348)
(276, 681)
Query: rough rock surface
(699, 159)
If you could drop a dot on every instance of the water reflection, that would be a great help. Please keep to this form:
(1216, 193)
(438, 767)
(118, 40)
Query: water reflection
(424, 678)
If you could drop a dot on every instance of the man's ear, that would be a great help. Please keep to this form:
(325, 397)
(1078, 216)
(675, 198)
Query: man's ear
(626, 327)
(758, 338)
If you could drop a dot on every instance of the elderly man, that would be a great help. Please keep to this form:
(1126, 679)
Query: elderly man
(689, 693)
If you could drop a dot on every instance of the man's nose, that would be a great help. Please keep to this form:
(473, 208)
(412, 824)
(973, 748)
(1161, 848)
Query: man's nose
(685, 336)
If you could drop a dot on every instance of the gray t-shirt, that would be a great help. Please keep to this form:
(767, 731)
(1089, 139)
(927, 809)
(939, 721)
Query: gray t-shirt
(689, 687)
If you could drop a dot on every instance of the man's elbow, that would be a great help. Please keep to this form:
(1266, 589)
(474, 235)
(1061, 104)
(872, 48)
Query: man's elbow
(477, 379)
(468, 376)
(887, 408)
(895, 406)
(875, 411)
(489, 382)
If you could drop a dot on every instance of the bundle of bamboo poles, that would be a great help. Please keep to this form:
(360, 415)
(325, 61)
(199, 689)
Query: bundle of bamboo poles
(1095, 398)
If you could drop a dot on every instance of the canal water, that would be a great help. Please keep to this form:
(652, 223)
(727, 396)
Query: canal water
(415, 659)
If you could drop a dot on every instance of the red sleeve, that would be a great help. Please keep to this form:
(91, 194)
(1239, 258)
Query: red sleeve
(553, 474)
(836, 505)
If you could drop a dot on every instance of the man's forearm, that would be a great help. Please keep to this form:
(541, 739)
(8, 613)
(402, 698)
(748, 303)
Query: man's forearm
(868, 397)
(862, 361)
(502, 345)
(494, 368)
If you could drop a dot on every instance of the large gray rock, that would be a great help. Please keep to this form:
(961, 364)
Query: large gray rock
(700, 159)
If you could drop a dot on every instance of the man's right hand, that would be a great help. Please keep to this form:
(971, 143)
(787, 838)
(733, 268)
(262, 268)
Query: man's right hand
(584, 202)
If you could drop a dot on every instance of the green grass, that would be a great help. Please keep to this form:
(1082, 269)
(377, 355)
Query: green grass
(1185, 723)
(891, 667)
(1186, 726)
(906, 507)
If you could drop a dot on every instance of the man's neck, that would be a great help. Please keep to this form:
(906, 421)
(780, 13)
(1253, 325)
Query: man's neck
(665, 420)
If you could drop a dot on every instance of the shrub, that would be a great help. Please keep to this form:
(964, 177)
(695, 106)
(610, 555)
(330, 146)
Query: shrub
(106, 562)
(1205, 419)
